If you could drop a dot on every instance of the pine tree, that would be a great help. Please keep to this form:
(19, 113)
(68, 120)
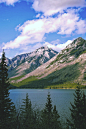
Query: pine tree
(26, 111)
(50, 116)
(47, 113)
(28, 117)
(78, 111)
(6, 106)
(55, 118)
(83, 111)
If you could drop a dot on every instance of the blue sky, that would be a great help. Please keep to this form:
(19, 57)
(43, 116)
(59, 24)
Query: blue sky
(26, 25)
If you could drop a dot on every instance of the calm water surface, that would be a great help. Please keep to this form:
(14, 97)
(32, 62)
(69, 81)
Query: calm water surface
(60, 97)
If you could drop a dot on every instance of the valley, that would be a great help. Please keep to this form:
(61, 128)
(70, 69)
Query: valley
(46, 68)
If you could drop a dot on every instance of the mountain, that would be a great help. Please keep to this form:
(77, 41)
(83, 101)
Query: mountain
(64, 70)
(25, 63)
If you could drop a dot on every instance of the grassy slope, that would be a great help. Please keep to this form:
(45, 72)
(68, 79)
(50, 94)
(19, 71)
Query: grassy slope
(16, 78)
(62, 78)
(12, 73)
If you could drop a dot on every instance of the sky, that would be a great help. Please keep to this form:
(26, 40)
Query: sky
(26, 25)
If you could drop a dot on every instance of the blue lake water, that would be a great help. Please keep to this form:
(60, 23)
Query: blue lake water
(60, 97)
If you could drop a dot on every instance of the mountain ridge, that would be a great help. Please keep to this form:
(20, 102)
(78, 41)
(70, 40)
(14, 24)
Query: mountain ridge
(71, 56)
(25, 63)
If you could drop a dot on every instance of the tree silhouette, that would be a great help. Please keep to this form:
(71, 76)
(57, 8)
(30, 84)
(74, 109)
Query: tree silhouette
(28, 117)
(50, 116)
(7, 108)
(78, 111)
(56, 120)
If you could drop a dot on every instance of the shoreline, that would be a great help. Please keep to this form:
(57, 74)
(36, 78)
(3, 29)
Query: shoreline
(50, 88)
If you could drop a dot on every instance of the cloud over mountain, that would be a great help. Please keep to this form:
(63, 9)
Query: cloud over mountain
(48, 21)
(58, 47)
(33, 31)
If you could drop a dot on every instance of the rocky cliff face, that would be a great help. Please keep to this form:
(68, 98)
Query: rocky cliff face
(72, 51)
(69, 65)
(25, 63)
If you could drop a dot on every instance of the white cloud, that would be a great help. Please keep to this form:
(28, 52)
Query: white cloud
(15, 43)
(28, 48)
(38, 15)
(50, 7)
(57, 41)
(9, 2)
(68, 22)
(81, 27)
(59, 46)
(33, 31)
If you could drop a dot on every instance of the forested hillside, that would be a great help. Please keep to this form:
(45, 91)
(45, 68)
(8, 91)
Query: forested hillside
(64, 70)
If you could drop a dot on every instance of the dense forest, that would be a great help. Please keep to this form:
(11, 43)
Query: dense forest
(29, 118)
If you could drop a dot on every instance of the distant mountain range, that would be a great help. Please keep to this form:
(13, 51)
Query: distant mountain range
(45, 68)
(25, 63)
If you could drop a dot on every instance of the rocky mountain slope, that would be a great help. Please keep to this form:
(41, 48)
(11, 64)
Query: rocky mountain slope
(67, 67)
(25, 63)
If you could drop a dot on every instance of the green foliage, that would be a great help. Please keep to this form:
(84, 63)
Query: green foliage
(73, 51)
(25, 82)
(16, 78)
(50, 116)
(57, 78)
(66, 85)
(28, 117)
(81, 43)
(85, 75)
(79, 49)
(76, 51)
(56, 121)
(7, 108)
(78, 111)
(58, 57)
(63, 75)
(13, 72)
(84, 51)
(67, 49)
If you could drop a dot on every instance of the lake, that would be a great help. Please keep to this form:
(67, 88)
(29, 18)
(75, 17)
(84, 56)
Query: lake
(60, 97)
